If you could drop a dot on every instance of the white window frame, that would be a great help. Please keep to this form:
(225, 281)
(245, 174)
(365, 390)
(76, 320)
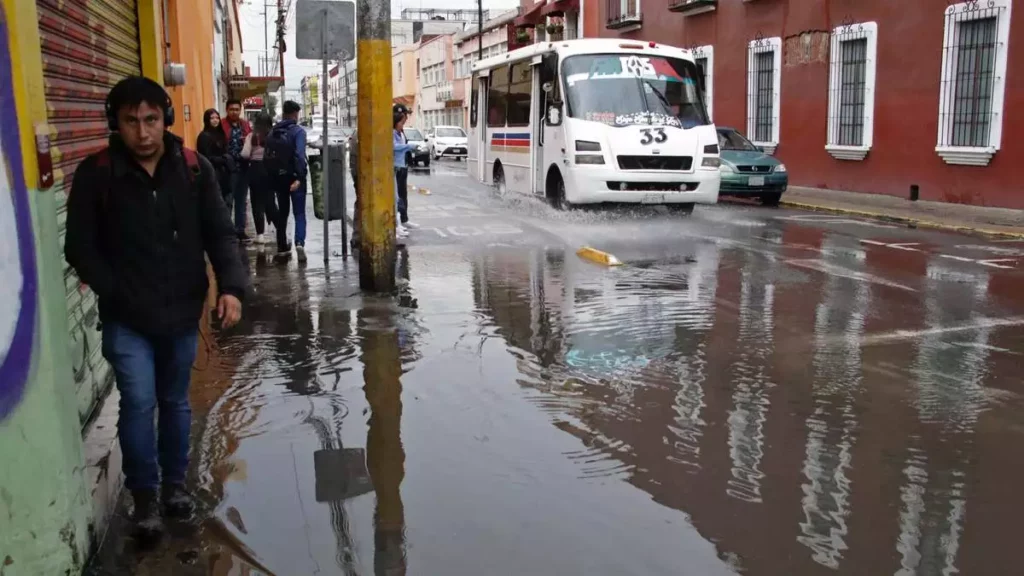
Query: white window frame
(707, 52)
(954, 15)
(773, 44)
(868, 31)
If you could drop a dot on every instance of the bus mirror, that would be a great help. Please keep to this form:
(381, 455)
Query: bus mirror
(548, 87)
(554, 115)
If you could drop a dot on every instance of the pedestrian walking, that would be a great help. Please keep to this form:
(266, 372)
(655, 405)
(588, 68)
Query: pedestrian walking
(235, 130)
(212, 144)
(399, 115)
(264, 203)
(284, 157)
(141, 214)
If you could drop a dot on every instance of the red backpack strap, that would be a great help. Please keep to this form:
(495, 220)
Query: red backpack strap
(103, 164)
(192, 161)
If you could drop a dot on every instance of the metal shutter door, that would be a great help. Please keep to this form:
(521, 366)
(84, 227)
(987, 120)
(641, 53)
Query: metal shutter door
(88, 45)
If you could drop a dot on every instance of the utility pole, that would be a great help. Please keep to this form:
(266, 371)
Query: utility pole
(376, 148)
(348, 96)
(480, 30)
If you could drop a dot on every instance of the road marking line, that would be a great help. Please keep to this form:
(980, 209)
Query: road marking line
(835, 270)
(598, 257)
(980, 324)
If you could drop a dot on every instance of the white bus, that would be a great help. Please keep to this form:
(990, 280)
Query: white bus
(593, 121)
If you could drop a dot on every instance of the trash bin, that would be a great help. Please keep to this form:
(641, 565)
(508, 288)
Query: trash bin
(337, 161)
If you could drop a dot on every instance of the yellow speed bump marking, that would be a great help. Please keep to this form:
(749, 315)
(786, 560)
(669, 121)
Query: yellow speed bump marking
(598, 257)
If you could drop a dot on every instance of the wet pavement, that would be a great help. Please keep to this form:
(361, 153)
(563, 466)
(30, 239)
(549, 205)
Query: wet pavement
(756, 391)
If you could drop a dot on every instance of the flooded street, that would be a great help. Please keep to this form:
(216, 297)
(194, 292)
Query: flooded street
(755, 391)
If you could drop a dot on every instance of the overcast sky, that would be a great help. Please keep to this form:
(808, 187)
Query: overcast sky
(251, 15)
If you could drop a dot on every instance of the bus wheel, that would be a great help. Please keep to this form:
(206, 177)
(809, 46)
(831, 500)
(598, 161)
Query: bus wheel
(556, 194)
(685, 209)
(499, 180)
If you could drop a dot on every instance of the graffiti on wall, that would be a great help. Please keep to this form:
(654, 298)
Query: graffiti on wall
(17, 249)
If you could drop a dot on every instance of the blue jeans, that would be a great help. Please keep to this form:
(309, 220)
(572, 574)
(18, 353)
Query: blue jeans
(299, 211)
(151, 373)
(240, 194)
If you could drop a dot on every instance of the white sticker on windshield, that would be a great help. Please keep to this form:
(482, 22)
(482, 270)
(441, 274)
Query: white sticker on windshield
(637, 66)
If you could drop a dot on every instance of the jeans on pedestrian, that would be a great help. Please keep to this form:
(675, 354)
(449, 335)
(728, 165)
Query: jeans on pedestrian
(298, 198)
(402, 191)
(284, 202)
(152, 374)
(264, 203)
(240, 196)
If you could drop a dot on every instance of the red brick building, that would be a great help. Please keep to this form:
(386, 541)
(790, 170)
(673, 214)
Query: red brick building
(868, 96)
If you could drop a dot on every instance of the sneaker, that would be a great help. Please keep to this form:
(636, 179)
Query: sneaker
(300, 251)
(410, 224)
(178, 503)
(284, 253)
(244, 238)
(146, 518)
(261, 239)
(401, 232)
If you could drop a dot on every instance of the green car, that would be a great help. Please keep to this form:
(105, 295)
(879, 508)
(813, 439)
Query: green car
(749, 172)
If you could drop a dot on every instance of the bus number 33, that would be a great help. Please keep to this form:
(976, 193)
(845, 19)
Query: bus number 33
(653, 136)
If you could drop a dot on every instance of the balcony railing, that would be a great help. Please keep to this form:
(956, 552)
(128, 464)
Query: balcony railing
(691, 7)
(624, 14)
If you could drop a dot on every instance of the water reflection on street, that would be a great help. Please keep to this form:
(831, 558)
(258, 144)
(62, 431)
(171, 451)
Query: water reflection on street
(726, 408)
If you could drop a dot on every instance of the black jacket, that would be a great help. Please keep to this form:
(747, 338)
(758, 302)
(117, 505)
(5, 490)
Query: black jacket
(139, 241)
(210, 143)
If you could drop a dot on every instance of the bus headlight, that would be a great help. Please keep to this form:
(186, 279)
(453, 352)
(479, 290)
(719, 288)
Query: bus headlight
(711, 162)
(591, 159)
(587, 146)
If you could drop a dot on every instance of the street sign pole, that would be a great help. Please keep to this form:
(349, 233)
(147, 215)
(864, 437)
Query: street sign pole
(322, 28)
(325, 163)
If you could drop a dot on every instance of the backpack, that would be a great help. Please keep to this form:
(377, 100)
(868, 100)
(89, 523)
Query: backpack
(279, 156)
(103, 163)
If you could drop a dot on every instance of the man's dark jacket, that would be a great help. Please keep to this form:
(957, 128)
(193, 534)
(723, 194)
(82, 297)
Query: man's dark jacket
(139, 241)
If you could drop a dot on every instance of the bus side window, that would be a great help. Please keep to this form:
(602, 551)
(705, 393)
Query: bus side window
(497, 94)
(474, 98)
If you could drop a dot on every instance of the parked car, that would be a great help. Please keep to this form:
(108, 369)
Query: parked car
(420, 154)
(335, 135)
(447, 141)
(747, 171)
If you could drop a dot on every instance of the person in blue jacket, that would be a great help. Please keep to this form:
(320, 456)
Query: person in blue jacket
(293, 192)
(400, 114)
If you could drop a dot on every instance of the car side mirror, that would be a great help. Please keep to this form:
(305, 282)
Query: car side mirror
(554, 115)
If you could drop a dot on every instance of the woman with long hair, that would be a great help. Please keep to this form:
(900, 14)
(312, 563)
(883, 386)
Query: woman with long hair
(264, 208)
(212, 144)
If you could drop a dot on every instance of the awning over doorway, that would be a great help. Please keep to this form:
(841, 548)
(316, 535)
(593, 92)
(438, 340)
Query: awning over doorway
(531, 17)
(559, 7)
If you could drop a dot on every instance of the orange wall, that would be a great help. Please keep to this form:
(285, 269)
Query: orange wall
(191, 37)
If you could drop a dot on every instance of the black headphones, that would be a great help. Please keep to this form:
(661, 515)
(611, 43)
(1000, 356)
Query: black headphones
(112, 114)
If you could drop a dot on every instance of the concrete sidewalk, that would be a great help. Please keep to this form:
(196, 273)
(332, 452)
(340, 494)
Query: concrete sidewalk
(958, 217)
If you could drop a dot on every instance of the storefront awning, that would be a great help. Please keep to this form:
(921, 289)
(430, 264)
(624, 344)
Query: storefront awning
(531, 17)
(560, 7)
(243, 87)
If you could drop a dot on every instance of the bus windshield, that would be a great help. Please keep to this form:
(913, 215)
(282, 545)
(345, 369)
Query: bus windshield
(631, 89)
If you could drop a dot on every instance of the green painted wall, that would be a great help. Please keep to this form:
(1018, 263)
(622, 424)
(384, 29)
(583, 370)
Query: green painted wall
(44, 507)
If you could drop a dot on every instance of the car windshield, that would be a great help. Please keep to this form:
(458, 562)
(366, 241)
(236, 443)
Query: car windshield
(626, 90)
(450, 133)
(733, 140)
(413, 134)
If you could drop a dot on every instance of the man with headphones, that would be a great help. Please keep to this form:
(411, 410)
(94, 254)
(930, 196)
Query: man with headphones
(142, 216)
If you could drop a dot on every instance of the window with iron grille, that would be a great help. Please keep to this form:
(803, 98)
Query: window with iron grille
(851, 98)
(764, 69)
(764, 72)
(704, 57)
(974, 63)
(623, 13)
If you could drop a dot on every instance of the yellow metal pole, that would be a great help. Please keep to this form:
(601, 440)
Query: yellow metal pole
(376, 173)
